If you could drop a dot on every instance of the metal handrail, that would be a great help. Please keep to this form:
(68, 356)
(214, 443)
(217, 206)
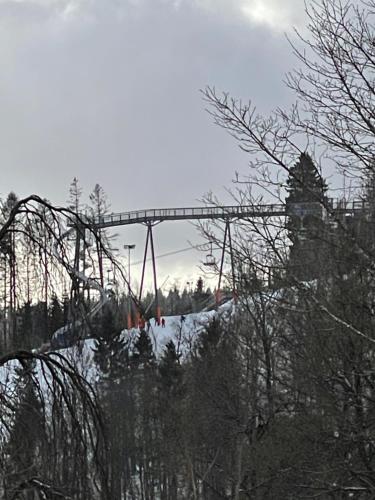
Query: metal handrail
(212, 212)
(160, 214)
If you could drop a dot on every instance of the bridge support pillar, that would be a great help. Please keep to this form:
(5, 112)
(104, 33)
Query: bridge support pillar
(150, 239)
(227, 236)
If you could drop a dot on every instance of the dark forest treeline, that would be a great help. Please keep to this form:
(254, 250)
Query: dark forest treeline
(35, 323)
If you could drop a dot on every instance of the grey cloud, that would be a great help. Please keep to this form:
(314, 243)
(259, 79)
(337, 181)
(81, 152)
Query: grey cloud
(109, 92)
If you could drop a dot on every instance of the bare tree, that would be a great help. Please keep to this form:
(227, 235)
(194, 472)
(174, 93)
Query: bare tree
(314, 340)
(69, 412)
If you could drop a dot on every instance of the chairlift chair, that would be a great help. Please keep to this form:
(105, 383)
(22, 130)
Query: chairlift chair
(210, 258)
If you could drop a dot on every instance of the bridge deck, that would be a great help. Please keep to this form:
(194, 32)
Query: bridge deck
(190, 213)
(153, 215)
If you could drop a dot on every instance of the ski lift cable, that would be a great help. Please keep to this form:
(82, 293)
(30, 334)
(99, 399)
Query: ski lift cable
(168, 254)
(153, 300)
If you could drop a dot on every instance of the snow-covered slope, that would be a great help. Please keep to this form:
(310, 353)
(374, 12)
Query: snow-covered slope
(183, 332)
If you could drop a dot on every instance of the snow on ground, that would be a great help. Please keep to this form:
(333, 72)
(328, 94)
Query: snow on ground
(183, 332)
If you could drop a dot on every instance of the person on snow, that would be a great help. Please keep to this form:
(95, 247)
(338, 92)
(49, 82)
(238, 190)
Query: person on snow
(163, 322)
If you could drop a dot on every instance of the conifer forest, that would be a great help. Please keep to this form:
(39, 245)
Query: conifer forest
(261, 388)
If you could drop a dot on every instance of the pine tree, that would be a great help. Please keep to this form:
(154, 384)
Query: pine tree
(27, 338)
(170, 370)
(172, 302)
(75, 193)
(305, 224)
(200, 298)
(215, 407)
(65, 308)
(209, 339)
(143, 376)
(305, 184)
(199, 288)
(26, 444)
(143, 352)
(98, 208)
(110, 351)
(8, 248)
(56, 318)
(114, 387)
(170, 411)
(185, 302)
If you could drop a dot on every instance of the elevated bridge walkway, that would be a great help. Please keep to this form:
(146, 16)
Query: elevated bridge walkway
(334, 209)
(229, 212)
(155, 215)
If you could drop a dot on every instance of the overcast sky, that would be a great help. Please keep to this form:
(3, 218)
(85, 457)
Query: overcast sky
(108, 91)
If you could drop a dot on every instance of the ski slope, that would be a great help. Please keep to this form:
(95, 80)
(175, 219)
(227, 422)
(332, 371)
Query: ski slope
(183, 333)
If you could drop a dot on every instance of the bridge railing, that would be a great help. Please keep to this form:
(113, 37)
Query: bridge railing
(349, 206)
(160, 214)
(216, 212)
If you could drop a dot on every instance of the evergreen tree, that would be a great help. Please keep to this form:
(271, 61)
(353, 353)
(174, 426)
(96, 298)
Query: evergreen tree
(170, 411)
(199, 287)
(75, 193)
(200, 298)
(143, 352)
(305, 184)
(99, 206)
(27, 440)
(111, 356)
(215, 406)
(172, 301)
(306, 227)
(209, 339)
(56, 317)
(40, 321)
(8, 248)
(27, 338)
(144, 375)
(185, 302)
(110, 351)
(170, 370)
(65, 308)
